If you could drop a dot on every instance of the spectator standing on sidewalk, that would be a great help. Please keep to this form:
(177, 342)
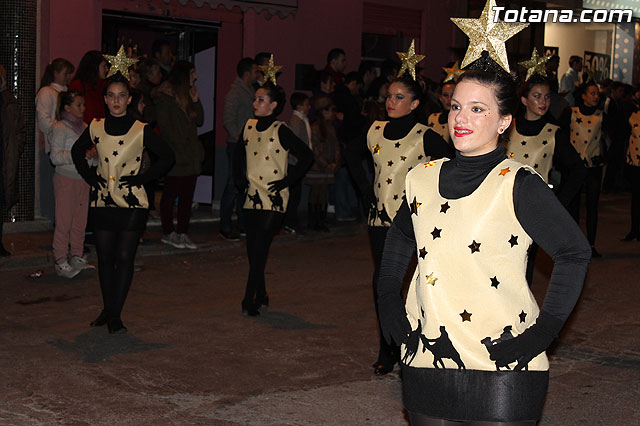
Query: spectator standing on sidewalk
(55, 79)
(70, 190)
(90, 82)
(13, 133)
(180, 112)
(238, 108)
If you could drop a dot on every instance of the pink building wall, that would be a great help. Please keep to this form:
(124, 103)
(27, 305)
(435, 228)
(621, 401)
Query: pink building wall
(71, 27)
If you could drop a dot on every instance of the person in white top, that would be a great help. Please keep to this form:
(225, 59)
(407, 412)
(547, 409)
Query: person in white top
(571, 79)
(55, 79)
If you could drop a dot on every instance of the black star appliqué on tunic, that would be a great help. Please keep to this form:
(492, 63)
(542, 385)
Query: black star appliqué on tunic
(578, 120)
(474, 246)
(423, 253)
(246, 142)
(544, 142)
(420, 157)
(390, 163)
(444, 207)
(526, 156)
(120, 142)
(436, 232)
(271, 139)
(466, 316)
(96, 140)
(513, 240)
(138, 159)
(395, 196)
(259, 139)
(275, 172)
(419, 131)
(523, 316)
(389, 180)
(494, 282)
(115, 153)
(377, 127)
(403, 158)
(524, 143)
(124, 165)
(106, 159)
(414, 206)
(397, 145)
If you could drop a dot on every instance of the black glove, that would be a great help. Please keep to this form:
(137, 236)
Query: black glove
(393, 319)
(133, 180)
(526, 346)
(95, 180)
(278, 185)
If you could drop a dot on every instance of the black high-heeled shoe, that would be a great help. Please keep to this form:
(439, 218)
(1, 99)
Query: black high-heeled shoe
(250, 309)
(115, 326)
(100, 321)
(630, 236)
(263, 306)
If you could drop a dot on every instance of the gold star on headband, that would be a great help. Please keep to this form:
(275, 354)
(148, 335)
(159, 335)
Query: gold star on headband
(270, 70)
(453, 73)
(120, 62)
(484, 34)
(535, 65)
(409, 60)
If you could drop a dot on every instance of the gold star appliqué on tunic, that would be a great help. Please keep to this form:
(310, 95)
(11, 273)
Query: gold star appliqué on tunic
(431, 279)
(414, 206)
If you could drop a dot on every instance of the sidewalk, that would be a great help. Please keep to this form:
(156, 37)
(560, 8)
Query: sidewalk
(31, 247)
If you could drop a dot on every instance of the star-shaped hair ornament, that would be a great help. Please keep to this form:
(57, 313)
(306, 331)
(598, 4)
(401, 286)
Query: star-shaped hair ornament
(409, 60)
(270, 70)
(453, 73)
(120, 63)
(535, 65)
(485, 34)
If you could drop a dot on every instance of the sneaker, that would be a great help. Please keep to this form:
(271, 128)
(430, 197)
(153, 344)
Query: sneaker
(80, 263)
(63, 269)
(289, 230)
(186, 242)
(172, 239)
(229, 236)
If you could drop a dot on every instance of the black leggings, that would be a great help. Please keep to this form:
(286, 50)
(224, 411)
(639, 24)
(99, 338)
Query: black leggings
(261, 226)
(388, 354)
(116, 254)
(633, 173)
(592, 186)
(422, 420)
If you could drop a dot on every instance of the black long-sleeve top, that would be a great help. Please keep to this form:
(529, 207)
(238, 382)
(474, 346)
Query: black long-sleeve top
(539, 212)
(398, 128)
(565, 157)
(288, 140)
(118, 126)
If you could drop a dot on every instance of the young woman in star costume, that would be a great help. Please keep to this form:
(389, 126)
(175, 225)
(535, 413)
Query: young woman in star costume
(438, 120)
(588, 124)
(396, 146)
(472, 335)
(261, 172)
(535, 141)
(632, 172)
(118, 201)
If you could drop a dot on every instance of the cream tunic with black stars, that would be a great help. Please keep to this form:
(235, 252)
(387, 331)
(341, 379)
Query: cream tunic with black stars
(469, 286)
(392, 160)
(633, 152)
(119, 156)
(534, 151)
(440, 128)
(267, 161)
(586, 134)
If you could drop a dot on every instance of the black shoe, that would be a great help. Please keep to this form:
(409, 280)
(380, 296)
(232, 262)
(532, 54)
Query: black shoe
(100, 321)
(630, 236)
(115, 326)
(595, 253)
(263, 306)
(229, 236)
(381, 369)
(250, 309)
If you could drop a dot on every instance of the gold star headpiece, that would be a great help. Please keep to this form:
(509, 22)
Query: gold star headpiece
(535, 65)
(484, 34)
(270, 70)
(453, 73)
(120, 62)
(409, 60)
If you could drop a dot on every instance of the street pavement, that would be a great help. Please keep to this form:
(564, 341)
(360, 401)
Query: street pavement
(191, 358)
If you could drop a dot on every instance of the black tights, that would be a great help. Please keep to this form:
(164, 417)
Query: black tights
(387, 354)
(116, 253)
(592, 191)
(261, 226)
(633, 173)
(422, 420)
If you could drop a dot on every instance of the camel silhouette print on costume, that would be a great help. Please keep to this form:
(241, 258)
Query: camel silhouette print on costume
(383, 216)
(276, 201)
(411, 346)
(256, 200)
(131, 199)
(373, 213)
(488, 343)
(107, 200)
(442, 348)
